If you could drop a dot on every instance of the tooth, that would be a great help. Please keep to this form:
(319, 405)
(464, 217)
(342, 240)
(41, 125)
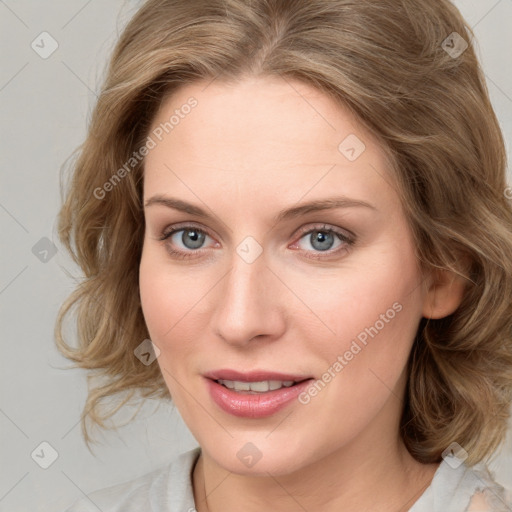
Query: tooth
(256, 387)
(261, 387)
(228, 383)
(274, 384)
(242, 386)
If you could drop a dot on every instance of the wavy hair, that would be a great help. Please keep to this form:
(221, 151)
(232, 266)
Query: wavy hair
(400, 66)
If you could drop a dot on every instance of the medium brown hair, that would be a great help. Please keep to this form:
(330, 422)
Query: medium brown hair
(388, 62)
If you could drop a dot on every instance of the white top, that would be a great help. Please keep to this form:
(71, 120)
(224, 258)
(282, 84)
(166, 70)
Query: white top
(169, 489)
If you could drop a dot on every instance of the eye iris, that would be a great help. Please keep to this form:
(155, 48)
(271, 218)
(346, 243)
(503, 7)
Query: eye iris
(196, 238)
(323, 238)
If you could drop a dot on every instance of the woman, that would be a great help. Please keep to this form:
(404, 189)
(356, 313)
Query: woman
(292, 220)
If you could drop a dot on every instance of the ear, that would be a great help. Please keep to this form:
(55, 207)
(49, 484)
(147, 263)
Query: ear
(444, 294)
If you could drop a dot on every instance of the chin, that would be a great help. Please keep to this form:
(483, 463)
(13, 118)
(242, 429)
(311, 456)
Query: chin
(261, 457)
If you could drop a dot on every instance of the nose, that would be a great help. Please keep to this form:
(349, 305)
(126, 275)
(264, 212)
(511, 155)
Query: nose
(249, 303)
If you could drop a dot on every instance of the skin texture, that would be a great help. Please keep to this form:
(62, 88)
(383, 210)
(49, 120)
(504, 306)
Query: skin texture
(244, 153)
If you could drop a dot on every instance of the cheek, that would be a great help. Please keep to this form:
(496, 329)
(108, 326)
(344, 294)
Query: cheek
(168, 299)
(376, 320)
(175, 304)
(376, 296)
(167, 293)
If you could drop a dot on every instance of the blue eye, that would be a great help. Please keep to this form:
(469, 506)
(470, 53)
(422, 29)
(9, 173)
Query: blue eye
(323, 239)
(190, 238)
(320, 241)
(185, 241)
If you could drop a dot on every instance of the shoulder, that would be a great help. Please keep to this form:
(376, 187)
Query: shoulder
(169, 486)
(479, 503)
(461, 488)
(487, 495)
(488, 501)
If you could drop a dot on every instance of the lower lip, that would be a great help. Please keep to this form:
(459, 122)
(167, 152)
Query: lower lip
(259, 405)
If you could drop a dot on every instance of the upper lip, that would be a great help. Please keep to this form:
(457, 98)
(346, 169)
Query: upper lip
(253, 376)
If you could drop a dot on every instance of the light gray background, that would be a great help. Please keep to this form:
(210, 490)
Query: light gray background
(45, 105)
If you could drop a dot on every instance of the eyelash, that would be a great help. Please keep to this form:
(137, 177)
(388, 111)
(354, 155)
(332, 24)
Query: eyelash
(348, 240)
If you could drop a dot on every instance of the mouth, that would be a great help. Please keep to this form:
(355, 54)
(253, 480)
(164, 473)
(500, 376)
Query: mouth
(256, 394)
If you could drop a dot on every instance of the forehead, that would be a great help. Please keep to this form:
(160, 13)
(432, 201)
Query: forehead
(260, 132)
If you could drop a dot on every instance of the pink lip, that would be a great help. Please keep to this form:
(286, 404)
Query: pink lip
(258, 405)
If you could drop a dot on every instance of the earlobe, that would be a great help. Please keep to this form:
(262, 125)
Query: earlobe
(444, 295)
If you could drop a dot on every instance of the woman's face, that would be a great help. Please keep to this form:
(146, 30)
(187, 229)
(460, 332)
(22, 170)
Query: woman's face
(288, 258)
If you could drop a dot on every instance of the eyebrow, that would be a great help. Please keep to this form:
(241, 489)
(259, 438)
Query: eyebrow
(288, 214)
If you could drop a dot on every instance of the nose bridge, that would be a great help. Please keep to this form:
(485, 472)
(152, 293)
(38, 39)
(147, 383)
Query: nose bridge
(247, 301)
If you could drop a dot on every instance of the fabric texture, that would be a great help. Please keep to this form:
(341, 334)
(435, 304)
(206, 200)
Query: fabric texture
(455, 488)
(169, 489)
